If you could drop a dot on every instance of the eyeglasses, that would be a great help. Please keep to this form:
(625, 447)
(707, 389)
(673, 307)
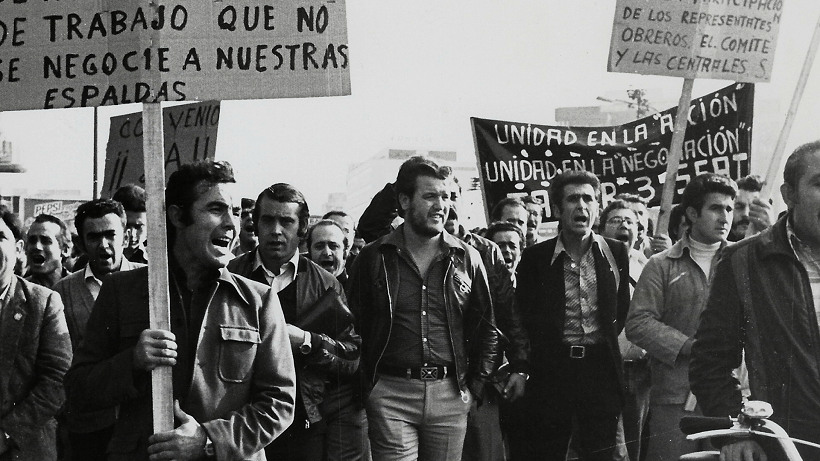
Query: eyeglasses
(617, 221)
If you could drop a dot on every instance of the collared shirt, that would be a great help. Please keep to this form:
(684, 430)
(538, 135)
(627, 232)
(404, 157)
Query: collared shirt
(420, 334)
(287, 272)
(92, 282)
(810, 262)
(581, 323)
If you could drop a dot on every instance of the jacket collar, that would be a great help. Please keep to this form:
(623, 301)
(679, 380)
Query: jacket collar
(448, 242)
(684, 245)
(226, 278)
(774, 241)
(223, 277)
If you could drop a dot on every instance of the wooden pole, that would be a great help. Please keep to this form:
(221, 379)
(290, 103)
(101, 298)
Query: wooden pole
(675, 154)
(780, 147)
(95, 193)
(159, 317)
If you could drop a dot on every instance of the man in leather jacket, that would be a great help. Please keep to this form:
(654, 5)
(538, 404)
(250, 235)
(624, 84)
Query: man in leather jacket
(422, 305)
(281, 220)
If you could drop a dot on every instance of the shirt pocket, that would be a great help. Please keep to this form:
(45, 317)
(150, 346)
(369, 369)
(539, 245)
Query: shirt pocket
(237, 352)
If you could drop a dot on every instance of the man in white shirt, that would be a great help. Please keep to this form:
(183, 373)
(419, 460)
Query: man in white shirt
(101, 228)
(280, 219)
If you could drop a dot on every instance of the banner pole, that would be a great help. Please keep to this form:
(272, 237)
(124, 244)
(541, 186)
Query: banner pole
(675, 154)
(95, 193)
(780, 147)
(158, 301)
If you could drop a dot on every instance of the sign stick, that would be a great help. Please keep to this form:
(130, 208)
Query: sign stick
(159, 317)
(780, 147)
(675, 154)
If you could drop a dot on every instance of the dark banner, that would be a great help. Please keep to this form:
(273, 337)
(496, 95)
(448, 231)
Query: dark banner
(519, 159)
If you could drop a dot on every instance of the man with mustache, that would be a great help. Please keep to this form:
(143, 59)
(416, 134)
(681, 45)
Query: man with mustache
(281, 221)
(101, 228)
(749, 209)
(47, 243)
(667, 304)
(573, 291)
(422, 304)
(246, 241)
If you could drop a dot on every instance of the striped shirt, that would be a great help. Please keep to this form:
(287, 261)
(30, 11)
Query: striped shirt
(581, 323)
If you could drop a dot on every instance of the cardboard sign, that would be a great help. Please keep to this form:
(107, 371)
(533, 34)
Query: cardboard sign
(190, 135)
(720, 39)
(63, 209)
(56, 54)
(519, 159)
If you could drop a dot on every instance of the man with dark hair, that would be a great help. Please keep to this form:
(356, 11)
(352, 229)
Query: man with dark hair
(47, 243)
(101, 226)
(132, 198)
(749, 209)
(247, 240)
(763, 306)
(513, 210)
(573, 291)
(233, 372)
(422, 304)
(510, 241)
(667, 304)
(281, 220)
(35, 353)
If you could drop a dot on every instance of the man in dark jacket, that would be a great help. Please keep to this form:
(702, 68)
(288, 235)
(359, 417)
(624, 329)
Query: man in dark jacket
(764, 301)
(573, 291)
(281, 220)
(35, 352)
(422, 304)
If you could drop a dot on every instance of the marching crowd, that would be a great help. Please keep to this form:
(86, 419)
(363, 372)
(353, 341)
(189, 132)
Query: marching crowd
(408, 336)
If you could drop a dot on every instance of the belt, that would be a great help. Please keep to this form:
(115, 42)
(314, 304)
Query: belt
(430, 373)
(580, 352)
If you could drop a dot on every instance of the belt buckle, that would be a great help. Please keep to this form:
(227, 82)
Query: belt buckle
(577, 352)
(429, 373)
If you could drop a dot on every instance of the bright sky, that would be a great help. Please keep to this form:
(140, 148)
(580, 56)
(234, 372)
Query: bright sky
(419, 70)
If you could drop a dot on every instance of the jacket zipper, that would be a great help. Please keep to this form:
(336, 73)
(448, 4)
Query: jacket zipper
(390, 324)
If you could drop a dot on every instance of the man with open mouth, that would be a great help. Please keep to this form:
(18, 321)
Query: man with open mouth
(233, 373)
(574, 292)
(47, 243)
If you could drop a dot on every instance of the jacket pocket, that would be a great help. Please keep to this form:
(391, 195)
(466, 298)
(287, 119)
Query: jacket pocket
(237, 352)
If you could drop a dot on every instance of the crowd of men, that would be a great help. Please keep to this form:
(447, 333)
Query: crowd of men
(411, 337)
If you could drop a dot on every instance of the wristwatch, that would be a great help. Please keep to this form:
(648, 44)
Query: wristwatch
(306, 346)
(210, 450)
(526, 376)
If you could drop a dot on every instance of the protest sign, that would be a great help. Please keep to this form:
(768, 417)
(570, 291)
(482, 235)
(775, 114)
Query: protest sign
(189, 135)
(721, 39)
(519, 159)
(91, 53)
